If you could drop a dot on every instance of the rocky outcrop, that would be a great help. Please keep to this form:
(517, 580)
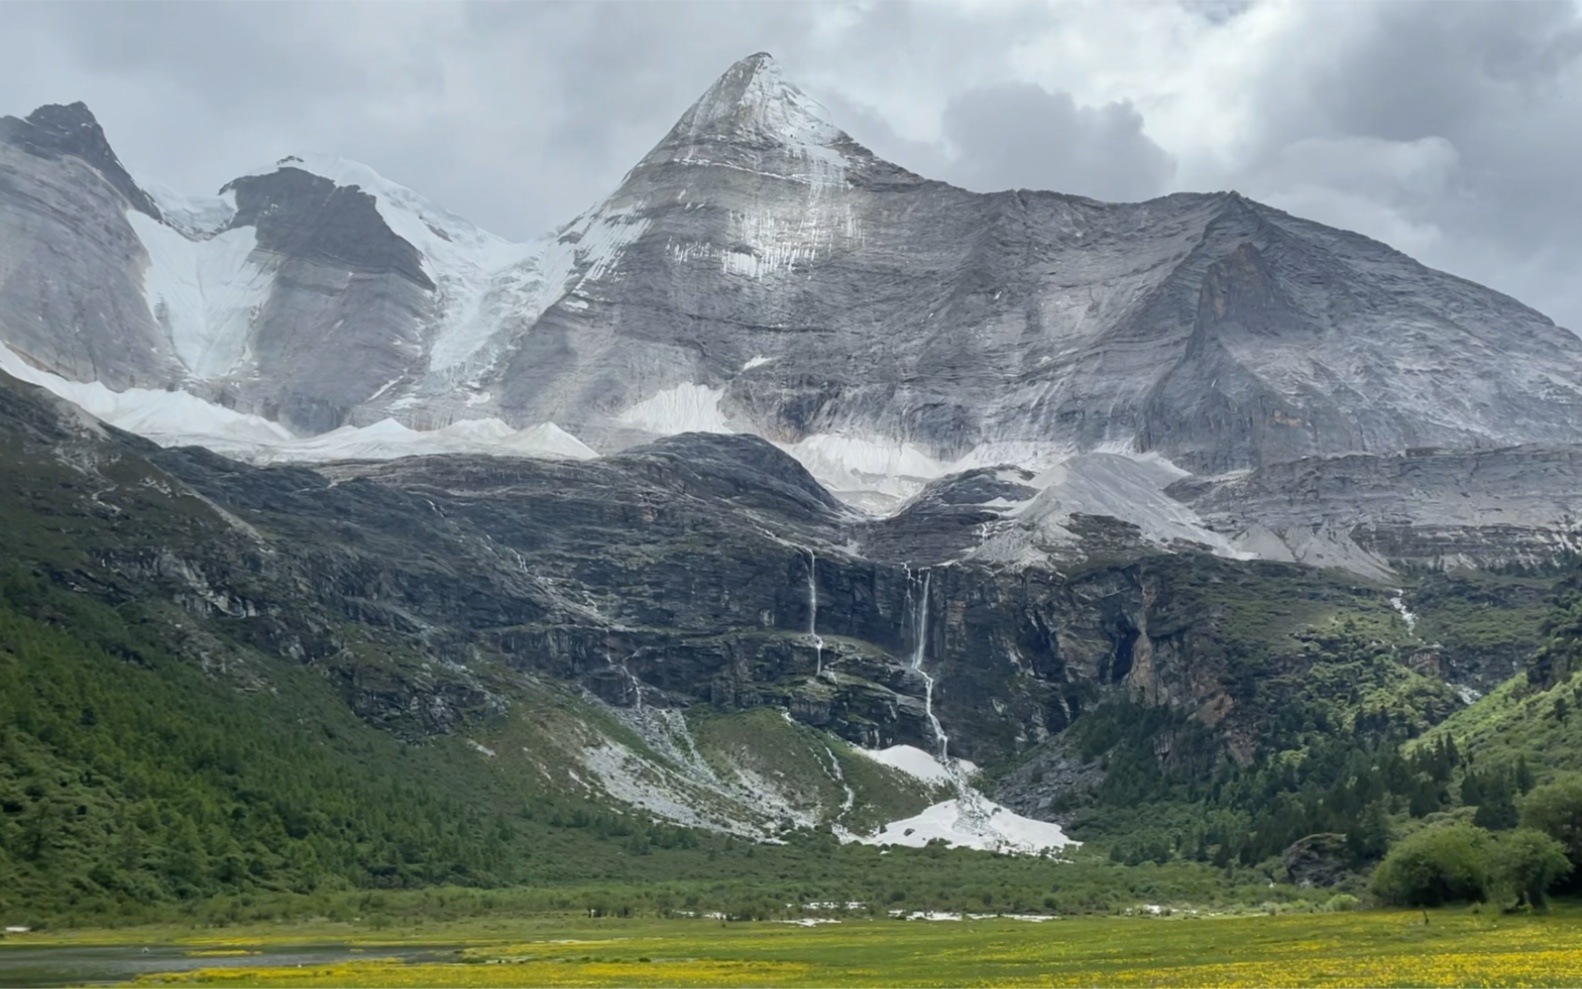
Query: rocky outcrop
(1318, 860)
(341, 282)
(1514, 507)
(71, 264)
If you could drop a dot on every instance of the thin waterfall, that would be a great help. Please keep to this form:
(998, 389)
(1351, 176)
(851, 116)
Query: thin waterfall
(941, 740)
(637, 687)
(812, 614)
(632, 682)
(973, 809)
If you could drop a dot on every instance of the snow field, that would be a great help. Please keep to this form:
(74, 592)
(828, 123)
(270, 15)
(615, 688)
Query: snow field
(205, 293)
(176, 418)
(986, 827)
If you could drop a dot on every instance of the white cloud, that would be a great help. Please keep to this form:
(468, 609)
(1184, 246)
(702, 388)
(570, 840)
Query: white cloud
(1446, 129)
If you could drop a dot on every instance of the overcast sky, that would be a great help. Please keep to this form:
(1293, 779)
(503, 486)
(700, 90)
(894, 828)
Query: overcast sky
(1452, 131)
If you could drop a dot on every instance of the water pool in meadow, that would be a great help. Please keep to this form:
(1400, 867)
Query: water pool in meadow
(75, 965)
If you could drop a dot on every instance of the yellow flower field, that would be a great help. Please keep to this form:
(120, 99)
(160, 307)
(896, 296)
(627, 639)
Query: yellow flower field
(1446, 948)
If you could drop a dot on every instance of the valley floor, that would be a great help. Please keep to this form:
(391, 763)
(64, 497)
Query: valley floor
(1452, 947)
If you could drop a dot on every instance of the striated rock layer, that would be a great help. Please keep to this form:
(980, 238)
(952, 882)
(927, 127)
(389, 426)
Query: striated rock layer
(678, 573)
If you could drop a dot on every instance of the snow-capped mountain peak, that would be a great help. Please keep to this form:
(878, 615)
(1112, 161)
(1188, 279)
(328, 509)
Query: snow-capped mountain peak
(72, 131)
(443, 238)
(752, 110)
(753, 100)
(759, 271)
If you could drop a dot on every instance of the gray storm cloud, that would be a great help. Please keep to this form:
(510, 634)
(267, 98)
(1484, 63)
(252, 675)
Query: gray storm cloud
(1019, 136)
(1447, 130)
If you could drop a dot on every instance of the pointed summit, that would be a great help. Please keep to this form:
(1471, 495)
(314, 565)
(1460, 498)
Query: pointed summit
(752, 102)
(53, 131)
(753, 117)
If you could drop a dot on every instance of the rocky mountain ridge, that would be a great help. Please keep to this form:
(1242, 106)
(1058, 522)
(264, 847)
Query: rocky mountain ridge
(1181, 454)
(759, 271)
(695, 570)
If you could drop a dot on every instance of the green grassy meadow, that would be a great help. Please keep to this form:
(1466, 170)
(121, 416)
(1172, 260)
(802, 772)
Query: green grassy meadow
(1374, 948)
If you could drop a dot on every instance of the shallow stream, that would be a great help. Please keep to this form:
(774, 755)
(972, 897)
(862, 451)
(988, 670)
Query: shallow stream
(75, 965)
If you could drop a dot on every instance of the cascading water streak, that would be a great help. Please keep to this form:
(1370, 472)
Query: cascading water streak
(812, 614)
(634, 684)
(971, 806)
(941, 740)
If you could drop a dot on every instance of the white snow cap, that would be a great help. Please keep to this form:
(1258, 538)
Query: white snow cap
(752, 107)
(445, 239)
(754, 98)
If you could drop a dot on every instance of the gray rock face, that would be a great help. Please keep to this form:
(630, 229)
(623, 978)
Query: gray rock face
(1429, 509)
(671, 574)
(760, 271)
(309, 218)
(55, 132)
(1217, 331)
(71, 293)
(334, 306)
(342, 284)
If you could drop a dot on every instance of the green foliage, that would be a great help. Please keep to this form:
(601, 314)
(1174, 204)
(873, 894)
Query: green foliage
(1437, 865)
(1560, 654)
(136, 786)
(1482, 615)
(1525, 865)
(1493, 792)
(1459, 862)
(1556, 810)
(1369, 837)
(1150, 811)
(126, 774)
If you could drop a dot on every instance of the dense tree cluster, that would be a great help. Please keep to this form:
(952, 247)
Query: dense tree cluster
(128, 775)
(1459, 862)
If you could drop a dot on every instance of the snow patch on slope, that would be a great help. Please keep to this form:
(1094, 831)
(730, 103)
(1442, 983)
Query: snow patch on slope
(170, 418)
(196, 216)
(534, 277)
(969, 820)
(780, 242)
(879, 474)
(205, 293)
(910, 760)
(682, 409)
(388, 439)
(1125, 487)
(973, 822)
(870, 472)
(176, 418)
